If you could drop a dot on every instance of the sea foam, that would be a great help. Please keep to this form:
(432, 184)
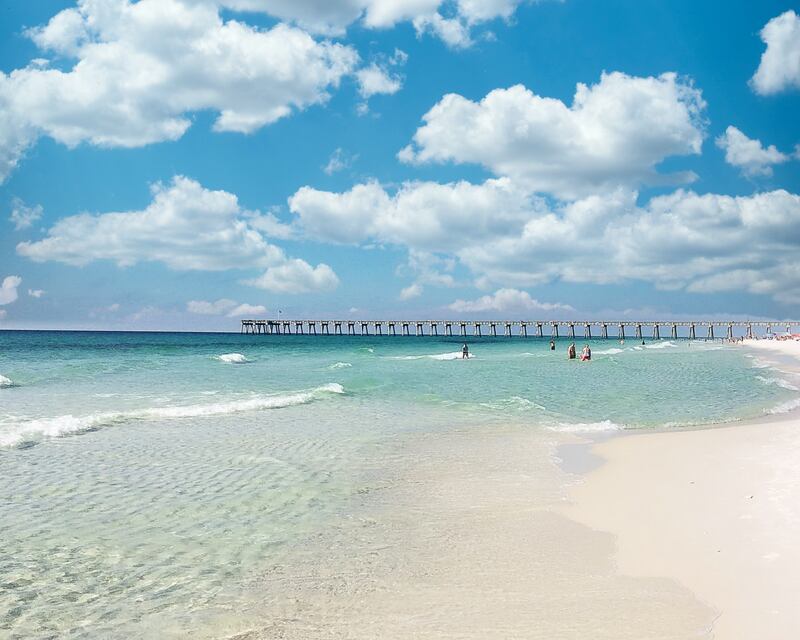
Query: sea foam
(340, 365)
(778, 382)
(784, 407)
(455, 355)
(233, 358)
(5, 382)
(27, 430)
(588, 427)
(608, 352)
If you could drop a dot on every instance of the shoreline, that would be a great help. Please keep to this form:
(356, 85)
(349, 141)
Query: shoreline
(715, 508)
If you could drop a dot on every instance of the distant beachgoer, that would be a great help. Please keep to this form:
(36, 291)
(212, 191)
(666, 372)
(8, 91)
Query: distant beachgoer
(642, 341)
(571, 351)
(586, 354)
(552, 345)
(622, 340)
(464, 352)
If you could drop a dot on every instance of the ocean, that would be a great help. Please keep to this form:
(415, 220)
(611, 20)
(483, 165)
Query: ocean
(157, 485)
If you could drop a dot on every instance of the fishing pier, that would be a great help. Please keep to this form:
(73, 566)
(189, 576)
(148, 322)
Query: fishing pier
(525, 329)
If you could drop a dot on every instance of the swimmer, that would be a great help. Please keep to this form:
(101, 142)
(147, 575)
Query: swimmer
(464, 352)
(552, 345)
(586, 354)
(571, 351)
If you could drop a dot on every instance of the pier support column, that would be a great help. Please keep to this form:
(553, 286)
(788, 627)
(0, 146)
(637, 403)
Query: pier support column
(572, 330)
(604, 329)
(420, 332)
(494, 329)
(337, 328)
(508, 329)
(448, 329)
(477, 329)
(365, 328)
(406, 332)
(463, 328)
(312, 327)
(656, 332)
(351, 328)
(298, 328)
(749, 330)
(523, 329)
(539, 330)
(379, 328)
(730, 332)
(638, 332)
(692, 333)
(621, 331)
(326, 329)
(674, 331)
(710, 334)
(554, 330)
(587, 331)
(434, 329)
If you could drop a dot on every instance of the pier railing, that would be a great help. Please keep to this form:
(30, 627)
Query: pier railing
(522, 328)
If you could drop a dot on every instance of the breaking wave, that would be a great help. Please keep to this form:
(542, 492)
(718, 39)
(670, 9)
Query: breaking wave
(26, 431)
(784, 407)
(588, 427)
(659, 345)
(455, 355)
(608, 352)
(340, 365)
(5, 382)
(778, 382)
(233, 358)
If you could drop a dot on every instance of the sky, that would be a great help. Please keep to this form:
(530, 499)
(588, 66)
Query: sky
(184, 164)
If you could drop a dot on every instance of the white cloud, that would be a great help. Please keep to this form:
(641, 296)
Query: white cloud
(186, 227)
(296, 276)
(507, 237)
(8, 290)
(36, 293)
(424, 215)
(3, 314)
(411, 291)
(332, 17)
(245, 310)
(230, 308)
(339, 161)
(780, 63)
(143, 68)
(374, 80)
(614, 133)
(749, 155)
(510, 300)
(203, 307)
(24, 216)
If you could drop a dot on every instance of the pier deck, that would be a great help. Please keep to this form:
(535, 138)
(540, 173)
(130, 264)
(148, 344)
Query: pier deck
(522, 328)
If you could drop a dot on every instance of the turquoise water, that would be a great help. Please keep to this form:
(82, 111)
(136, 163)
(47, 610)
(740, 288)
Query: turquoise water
(146, 479)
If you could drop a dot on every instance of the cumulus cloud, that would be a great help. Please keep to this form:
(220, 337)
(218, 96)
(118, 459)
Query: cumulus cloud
(230, 308)
(780, 63)
(614, 133)
(332, 17)
(296, 276)
(36, 293)
(8, 289)
(411, 291)
(507, 300)
(186, 227)
(507, 237)
(749, 155)
(143, 68)
(425, 215)
(374, 80)
(24, 216)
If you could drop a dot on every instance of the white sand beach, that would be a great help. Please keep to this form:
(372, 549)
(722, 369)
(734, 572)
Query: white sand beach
(717, 510)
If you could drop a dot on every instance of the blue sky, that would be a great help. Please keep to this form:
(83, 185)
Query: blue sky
(185, 163)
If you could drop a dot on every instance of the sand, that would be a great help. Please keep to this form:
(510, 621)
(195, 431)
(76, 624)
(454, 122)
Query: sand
(716, 510)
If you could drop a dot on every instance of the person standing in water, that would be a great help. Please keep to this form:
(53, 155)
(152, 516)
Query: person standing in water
(571, 351)
(464, 352)
(586, 354)
(552, 345)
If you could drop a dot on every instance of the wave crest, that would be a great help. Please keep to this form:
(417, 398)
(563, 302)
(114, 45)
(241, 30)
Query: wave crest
(454, 355)
(232, 358)
(25, 431)
(5, 382)
(588, 427)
